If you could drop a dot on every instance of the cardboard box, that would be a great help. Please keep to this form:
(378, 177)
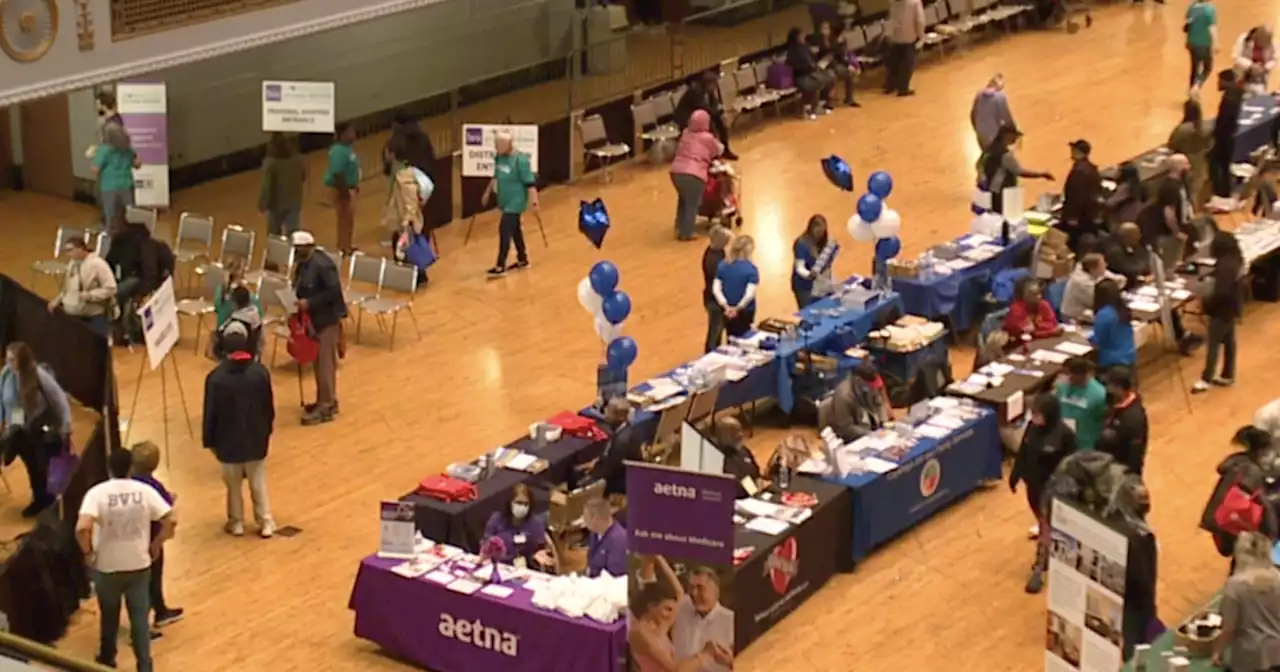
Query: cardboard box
(1054, 238)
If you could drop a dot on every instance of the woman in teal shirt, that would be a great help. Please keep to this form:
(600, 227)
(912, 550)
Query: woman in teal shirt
(1201, 25)
(113, 165)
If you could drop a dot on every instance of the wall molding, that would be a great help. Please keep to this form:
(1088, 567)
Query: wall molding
(205, 52)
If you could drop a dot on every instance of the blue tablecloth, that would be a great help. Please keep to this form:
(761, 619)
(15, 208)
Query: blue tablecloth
(957, 296)
(760, 383)
(886, 505)
(1255, 130)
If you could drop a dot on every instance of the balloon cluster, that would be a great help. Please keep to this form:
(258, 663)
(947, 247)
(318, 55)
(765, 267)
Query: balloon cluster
(874, 221)
(599, 295)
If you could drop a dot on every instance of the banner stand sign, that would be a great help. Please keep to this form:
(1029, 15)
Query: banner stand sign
(143, 107)
(478, 150)
(680, 560)
(399, 529)
(298, 107)
(1087, 571)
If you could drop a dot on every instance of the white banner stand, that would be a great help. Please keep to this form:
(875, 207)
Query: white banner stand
(160, 332)
(1170, 340)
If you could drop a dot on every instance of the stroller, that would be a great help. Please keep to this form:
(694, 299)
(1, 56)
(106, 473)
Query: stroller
(723, 196)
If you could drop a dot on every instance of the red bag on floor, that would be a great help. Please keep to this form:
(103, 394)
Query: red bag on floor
(303, 346)
(447, 489)
(576, 425)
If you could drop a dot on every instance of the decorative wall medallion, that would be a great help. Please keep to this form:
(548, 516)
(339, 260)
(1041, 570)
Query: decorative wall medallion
(27, 28)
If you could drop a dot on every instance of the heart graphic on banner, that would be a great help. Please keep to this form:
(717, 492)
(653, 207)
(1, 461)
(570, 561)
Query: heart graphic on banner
(783, 565)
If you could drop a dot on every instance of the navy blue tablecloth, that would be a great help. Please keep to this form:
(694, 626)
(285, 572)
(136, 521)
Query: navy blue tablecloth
(957, 296)
(933, 475)
(760, 383)
(1255, 128)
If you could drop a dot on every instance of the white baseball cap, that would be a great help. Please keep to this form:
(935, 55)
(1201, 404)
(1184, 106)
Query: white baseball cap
(302, 238)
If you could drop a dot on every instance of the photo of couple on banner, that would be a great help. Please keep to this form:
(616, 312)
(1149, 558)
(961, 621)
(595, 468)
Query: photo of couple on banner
(680, 618)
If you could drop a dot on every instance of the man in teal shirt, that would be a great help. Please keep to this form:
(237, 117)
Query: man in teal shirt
(1202, 39)
(514, 183)
(343, 176)
(1084, 402)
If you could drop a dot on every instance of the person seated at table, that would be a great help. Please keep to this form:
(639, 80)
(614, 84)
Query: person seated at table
(814, 252)
(607, 542)
(1250, 608)
(739, 462)
(1047, 441)
(1127, 257)
(523, 533)
(1124, 204)
(1077, 300)
(1029, 314)
(858, 405)
(1084, 402)
(1112, 333)
(654, 615)
(622, 445)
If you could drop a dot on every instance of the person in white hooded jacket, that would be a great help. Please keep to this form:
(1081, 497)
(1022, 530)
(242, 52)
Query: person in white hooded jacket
(990, 111)
(88, 288)
(1254, 57)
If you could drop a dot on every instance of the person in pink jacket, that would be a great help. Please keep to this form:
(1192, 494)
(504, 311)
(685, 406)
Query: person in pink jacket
(697, 150)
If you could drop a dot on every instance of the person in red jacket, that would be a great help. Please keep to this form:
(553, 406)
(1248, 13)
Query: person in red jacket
(1029, 314)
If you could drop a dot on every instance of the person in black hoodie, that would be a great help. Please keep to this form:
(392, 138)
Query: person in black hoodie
(131, 258)
(1047, 441)
(1224, 133)
(239, 412)
(814, 83)
(624, 444)
(1246, 469)
(1223, 303)
(704, 94)
(319, 289)
(1124, 431)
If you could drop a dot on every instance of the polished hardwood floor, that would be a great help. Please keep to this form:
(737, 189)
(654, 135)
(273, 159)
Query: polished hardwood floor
(496, 355)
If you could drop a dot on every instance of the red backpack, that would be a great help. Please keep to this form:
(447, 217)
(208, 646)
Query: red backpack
(303, 345)
(1239, 511)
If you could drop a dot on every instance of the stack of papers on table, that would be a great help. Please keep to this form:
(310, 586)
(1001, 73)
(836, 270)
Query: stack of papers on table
(767, 526)
(1072, 348)
(1050, 356)
(877, 465)
(465, 586)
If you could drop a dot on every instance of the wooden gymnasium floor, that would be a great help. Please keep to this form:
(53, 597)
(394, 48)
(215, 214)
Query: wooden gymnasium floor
(496, 355)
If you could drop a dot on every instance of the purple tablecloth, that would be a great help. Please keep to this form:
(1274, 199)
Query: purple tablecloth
(436, 628)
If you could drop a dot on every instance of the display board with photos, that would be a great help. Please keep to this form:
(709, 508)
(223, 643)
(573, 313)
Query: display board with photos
(1086, 585)
(680, 568)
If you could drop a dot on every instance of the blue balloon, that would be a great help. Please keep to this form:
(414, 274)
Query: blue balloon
(838, 172)
(621, 353)
(869, 207)
(616, 307)
(888, 248)
(604, 278)
(880, 183)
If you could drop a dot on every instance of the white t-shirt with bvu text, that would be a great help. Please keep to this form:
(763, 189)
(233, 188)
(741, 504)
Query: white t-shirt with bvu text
(123, 510)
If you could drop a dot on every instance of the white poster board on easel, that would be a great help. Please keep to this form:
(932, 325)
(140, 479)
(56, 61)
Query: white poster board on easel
(159, 317)
(698, 453)
(1086, 581)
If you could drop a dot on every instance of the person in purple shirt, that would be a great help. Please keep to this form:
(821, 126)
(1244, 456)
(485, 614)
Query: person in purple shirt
(523, 533)
(607, 545)
(146, 458)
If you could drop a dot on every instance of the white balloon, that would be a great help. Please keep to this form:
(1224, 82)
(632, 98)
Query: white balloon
(587, 296)
(888, 225)
(607, 332)
(860, 230)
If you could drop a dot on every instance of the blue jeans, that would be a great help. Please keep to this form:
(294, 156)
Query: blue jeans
(111, 200)
(284, 222)
(135, 588)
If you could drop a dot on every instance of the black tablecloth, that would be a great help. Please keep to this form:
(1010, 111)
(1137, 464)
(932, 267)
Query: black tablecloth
(785, 570)
(462, 523)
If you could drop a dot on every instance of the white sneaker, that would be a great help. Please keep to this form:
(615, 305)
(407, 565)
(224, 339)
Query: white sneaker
(1199, 387)
(1223, 382)
(1034, 531)
(268, 530)
(234, 529)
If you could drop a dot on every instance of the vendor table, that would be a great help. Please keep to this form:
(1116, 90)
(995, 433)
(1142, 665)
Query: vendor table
(445, 631)
(933, 475)
(786, 570)
(761, 383)
(1024, 384)
(462, 523)
(1257, 126)
(958, 295)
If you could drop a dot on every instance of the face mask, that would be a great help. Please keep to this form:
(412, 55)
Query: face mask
(519, 510)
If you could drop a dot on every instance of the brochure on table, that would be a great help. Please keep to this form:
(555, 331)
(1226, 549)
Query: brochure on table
(1086, 578)
(680, 543)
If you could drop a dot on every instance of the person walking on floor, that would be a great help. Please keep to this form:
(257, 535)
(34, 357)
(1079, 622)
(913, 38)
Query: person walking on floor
(36, 420)
(711, 259)
(1246, 470)
(1084, 402)
(990, 112)
(342, 176)
(146, 459)
(906, 33)
(319, 289)
(239, 414)
(697, 150)
(735, 287)
(1201, 26)
(1250, 608)
(1081, 196)
(284, 176)
(1194, 140)
(814, 254)
(1047, 441)
(1125, 430)
(114, 533)
(88, 288)
(1225, 126)
(1223, 302)
(516, 188)
(113, 161)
